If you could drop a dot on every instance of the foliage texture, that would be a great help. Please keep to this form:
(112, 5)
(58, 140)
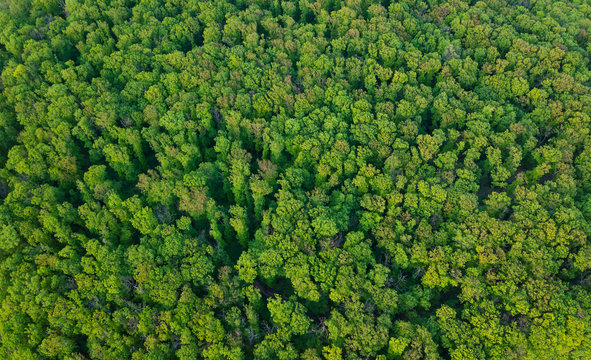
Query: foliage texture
(338, 179)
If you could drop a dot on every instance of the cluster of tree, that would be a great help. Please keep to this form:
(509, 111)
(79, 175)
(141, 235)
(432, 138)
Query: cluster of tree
(330, 179)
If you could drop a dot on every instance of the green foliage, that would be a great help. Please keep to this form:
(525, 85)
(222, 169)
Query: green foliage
(295, 179)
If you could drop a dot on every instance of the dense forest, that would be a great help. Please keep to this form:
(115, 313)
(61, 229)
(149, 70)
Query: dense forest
(338, 179)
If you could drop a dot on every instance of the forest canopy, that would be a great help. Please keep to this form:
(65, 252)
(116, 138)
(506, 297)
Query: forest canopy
(338, 179)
